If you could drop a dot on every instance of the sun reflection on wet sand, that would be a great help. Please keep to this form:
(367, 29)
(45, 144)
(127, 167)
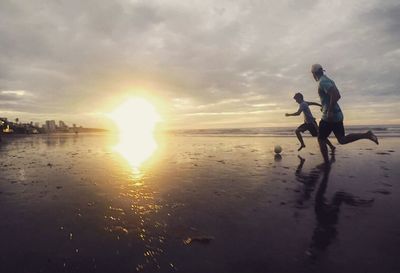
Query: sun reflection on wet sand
(142, 203)
(137, 144)
(136, 150)
(136, 120)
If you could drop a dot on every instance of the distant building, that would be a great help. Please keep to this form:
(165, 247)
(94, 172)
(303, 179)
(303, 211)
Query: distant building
(62, 125)
(50, 125)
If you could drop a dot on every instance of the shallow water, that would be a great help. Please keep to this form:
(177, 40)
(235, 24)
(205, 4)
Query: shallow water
(72, 203)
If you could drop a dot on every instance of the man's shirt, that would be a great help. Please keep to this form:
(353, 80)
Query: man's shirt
(324, 85)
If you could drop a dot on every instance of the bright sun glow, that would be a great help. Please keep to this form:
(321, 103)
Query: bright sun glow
(136, 119)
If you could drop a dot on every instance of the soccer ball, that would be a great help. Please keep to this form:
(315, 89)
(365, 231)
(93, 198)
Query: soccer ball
(277, 149)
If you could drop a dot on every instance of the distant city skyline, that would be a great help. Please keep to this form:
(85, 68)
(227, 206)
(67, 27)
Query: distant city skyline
(53, 122)
(203, 64)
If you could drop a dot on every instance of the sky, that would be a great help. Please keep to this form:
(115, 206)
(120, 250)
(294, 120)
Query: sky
(203, 64)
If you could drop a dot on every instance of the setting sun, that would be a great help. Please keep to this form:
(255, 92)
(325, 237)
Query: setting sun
(136, 119)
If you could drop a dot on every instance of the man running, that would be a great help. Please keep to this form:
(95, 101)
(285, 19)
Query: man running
(309, 120)
(332, 116)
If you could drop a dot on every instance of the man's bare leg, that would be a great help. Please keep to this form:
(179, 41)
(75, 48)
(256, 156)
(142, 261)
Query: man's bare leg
(324, 149)
(333, 148)
(298, 134)
(357, 136)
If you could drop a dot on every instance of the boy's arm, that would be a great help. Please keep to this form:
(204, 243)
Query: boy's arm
(313, 103)
(294, 114)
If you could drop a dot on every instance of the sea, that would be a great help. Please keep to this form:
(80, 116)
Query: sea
(379, 130)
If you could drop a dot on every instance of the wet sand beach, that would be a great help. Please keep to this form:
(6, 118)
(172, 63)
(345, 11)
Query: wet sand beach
(70, 203)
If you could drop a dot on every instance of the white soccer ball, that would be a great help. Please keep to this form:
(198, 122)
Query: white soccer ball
(278, 149)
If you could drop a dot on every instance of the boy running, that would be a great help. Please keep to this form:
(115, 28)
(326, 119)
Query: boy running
(309, 121)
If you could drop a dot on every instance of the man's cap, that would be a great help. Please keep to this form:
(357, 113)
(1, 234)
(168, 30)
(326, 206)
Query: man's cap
(298, 95)
(316, 68)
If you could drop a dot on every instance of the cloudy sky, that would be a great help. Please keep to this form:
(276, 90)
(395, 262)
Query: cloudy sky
(204, 64)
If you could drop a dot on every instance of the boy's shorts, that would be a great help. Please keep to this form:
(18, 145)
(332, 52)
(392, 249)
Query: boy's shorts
(311, 127)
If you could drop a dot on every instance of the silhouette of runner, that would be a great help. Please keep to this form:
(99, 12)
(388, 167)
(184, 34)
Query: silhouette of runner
(309, 121)
(332, 116)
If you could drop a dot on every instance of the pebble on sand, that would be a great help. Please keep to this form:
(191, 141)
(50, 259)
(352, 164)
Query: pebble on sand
(199, 239)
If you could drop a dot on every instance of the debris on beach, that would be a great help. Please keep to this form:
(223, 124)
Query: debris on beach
(116, 209)
(382, 191)
(199, 239)
(117, 229)
(217, 193)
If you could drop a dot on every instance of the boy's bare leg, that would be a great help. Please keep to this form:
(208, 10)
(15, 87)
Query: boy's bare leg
(298, 134)
(357, 136)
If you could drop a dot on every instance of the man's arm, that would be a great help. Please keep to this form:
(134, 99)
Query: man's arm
(334, 96)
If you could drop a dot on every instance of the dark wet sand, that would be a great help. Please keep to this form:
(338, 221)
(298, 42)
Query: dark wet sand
(201, 204)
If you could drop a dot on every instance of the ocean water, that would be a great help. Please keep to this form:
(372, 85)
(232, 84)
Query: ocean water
(379, 130)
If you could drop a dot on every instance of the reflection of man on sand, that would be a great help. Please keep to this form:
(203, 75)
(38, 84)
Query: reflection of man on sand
(332, 116)
(327, 213)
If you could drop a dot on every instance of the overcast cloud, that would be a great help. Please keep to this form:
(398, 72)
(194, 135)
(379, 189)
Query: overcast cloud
(209, 64)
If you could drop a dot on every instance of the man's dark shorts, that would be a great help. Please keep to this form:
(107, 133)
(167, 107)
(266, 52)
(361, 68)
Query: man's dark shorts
(311, 127)
(325, 129)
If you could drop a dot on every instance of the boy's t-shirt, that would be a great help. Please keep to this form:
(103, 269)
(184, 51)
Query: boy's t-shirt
(308, 117)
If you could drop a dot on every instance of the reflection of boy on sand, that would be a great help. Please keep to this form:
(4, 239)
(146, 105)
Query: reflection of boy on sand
(308, 180)
(309, 121)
